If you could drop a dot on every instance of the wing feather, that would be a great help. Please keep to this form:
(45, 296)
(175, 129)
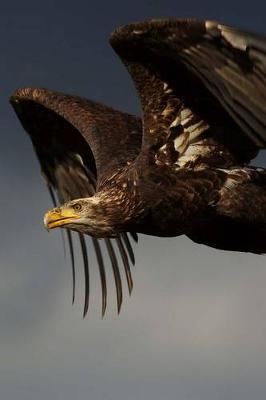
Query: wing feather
(72, 260)
(70, 246)
(86, 273)
(213, 72)
(105, 130)
(126, 264)
(71, 169)
(128, 247)
(100, 261)
(116, 272)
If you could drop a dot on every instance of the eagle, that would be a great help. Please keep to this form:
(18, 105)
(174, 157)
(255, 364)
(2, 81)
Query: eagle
(183, 168)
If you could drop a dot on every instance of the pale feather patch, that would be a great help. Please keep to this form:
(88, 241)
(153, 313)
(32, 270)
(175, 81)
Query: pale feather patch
(191, 132)
(235, 176)
(191, 129)
(181, 142)
(169, 109)
(79, 158)
(232, 37)
(138, 32)
(176, 122)
(193, 152)
(186, 116)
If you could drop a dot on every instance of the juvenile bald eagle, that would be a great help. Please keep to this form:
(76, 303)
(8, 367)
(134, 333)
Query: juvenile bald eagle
(182, 169)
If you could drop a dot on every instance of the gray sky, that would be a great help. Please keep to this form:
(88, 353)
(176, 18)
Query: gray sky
(195, 326)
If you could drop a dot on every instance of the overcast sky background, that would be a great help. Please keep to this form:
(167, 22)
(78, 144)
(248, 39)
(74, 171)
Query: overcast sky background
(195, 325)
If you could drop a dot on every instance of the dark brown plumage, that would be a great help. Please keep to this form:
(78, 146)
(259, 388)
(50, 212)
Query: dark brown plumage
(184, 168)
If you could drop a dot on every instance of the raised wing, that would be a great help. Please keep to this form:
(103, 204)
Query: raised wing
(202, 87)
(78, 143)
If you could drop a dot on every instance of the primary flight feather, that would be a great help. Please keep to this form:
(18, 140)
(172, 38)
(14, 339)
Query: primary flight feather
(182, 169)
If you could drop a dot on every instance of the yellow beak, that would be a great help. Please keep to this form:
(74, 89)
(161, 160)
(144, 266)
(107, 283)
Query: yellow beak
(58, 217)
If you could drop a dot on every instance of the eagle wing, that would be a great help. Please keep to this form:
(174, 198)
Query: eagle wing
(202, 87)
(78, 143)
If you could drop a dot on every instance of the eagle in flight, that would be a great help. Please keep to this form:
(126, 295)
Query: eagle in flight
(181, 169)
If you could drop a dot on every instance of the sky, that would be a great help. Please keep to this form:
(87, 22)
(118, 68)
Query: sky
(195, 325)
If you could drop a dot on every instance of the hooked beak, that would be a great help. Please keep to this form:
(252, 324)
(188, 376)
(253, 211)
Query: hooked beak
(58, 217)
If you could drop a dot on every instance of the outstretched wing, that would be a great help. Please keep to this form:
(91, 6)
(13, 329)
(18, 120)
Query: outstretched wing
(202, 87)
(79, 142)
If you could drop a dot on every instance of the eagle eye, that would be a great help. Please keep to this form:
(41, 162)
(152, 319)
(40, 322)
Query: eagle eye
(77, 207)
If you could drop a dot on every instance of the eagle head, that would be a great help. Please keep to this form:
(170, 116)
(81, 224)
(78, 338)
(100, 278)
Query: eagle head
(85, 215)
